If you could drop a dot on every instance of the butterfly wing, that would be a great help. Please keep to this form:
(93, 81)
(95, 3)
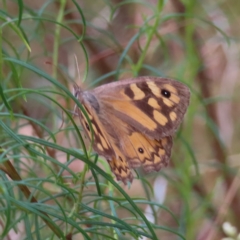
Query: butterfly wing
(135, 149)
(120, 166)
(133, 121)
(151, 105)
(102, 141)
(105, 142)
(150, 154)
(154, 155)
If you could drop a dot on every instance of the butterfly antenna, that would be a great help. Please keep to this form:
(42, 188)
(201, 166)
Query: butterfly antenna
(76, 62)
(77, 90)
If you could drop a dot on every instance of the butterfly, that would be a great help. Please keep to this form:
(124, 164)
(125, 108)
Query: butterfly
(133, 121)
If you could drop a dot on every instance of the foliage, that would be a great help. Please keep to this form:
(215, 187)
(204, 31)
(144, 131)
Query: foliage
(52, 186)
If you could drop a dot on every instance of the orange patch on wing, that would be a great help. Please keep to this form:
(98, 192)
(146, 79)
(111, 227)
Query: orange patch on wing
(154, 88)
(175, 98)
(160, 118)
(161, 151)
(99, 146)
(103, 141)
(94, 128)
(170, 88)
(153, 103)
(168, 102)
(156, 159)
(138, 93)
(173, 116)
(135, 113)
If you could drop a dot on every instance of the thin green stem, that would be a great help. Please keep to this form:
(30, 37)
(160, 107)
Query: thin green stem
(1, 59)
(57, 37)
(76, 208)
(152, 31)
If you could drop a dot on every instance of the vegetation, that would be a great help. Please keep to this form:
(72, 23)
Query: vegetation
(52, 186)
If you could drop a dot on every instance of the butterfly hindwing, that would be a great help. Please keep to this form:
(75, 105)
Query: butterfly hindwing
(138, 150)
(151, 154)
(120, 167)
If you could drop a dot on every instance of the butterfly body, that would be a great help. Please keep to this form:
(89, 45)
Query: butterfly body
(133, 121)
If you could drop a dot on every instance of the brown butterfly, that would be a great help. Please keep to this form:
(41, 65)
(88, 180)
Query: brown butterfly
(133, 121)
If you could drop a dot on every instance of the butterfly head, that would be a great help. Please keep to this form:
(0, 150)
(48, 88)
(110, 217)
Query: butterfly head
(76, 91)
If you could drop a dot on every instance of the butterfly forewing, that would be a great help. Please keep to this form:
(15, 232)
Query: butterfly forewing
(152, 105)
(101, 143)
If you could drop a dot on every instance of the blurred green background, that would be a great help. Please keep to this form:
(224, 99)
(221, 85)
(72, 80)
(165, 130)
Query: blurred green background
(42, 155)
